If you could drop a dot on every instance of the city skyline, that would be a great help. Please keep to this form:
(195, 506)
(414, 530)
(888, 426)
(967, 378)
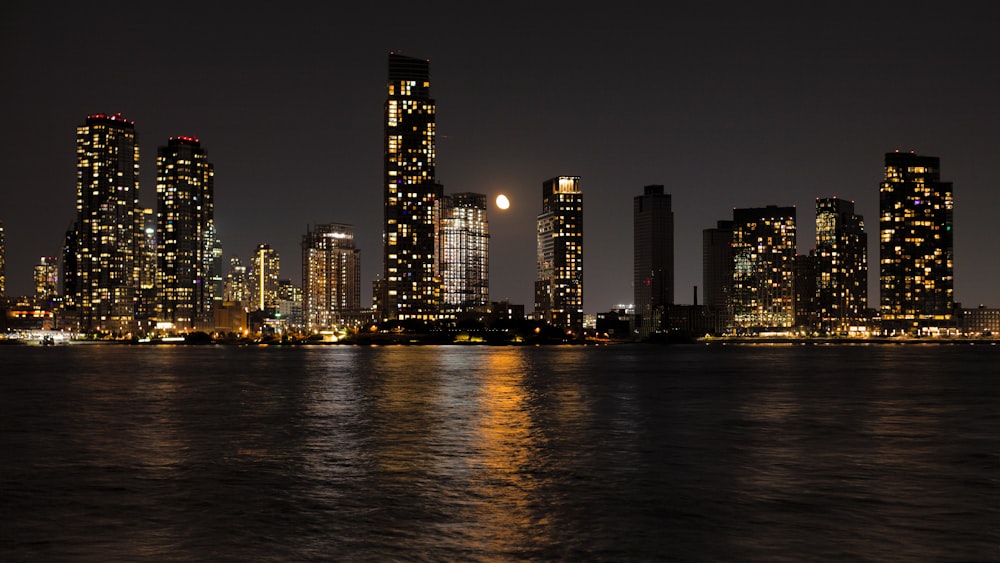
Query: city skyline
(790, 117)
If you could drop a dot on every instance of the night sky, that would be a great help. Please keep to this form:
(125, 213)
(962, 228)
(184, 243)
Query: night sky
(725, 105)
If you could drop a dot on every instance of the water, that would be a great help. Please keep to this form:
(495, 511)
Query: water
(618, 453)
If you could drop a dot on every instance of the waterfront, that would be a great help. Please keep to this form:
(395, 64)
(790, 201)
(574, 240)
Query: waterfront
(481, 453)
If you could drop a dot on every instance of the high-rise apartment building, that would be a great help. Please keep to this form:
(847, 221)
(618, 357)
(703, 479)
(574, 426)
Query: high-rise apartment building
(185, 234)
(717, 274)
(46, 278)
(331, 276)
(216, 282)
(412, 286)
(288, 308)
(237, 284)
(559, 284)
(465, 258)
(264, 270)
(916, 245)
(652, 258)
(841, 262)
(764, 252)
(147, 253)
(106, 238)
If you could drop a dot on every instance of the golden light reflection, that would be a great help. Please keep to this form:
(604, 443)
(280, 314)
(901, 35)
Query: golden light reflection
(508, 445)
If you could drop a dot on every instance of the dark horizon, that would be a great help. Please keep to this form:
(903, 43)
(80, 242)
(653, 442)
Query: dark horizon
(725, 108)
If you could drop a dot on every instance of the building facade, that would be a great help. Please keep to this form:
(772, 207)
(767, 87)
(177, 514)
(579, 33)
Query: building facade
(841, 261)
(236, 287)
(559, 251)
(717, 275)
(652, 258)
(465, 254)
(764, 249)
(981, 322)
(263, 278)
(412, 286)
(916, 245)
(46, 276)
(103, 284)
(806, 303)
(185, 233)
(331, 276)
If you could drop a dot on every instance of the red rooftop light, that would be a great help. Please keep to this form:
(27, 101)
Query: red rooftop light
(116, 117)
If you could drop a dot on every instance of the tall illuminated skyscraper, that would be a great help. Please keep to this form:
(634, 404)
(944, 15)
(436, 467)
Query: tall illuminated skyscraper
(264, 270)
(652, 258)
(841, 262)
(185, 233)
(331, 276)
(559, 285)
(465, 258)
(916, 248)
(412, 286)
(106, 239)
(763, 268)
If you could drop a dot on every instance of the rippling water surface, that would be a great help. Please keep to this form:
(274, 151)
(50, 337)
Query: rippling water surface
(778, 453)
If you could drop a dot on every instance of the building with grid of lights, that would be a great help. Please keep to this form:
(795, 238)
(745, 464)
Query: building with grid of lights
(916, 246)
(841, 263)
(411, 286)
(185, 234)
(101, 278)
(764, 250)
(465, 258)
(331, 276)
(559, 252)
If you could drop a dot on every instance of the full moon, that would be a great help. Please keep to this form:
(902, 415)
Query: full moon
(503, 202)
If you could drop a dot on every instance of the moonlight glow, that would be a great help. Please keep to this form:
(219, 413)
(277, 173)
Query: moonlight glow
(503, 202)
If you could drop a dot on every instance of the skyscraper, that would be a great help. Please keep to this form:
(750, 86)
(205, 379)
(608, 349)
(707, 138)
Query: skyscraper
(264, 271)
(47, 278)
(916, 249)
(652, 258)
(465, 259)
(237, 284)
(216, 282)
(559, 284)
(106, 237)
(412, 286)
(806, 309)
(331, 276)
(185, 232)
(717, 274)
(841, 262)
(763, 268)
(147, 257)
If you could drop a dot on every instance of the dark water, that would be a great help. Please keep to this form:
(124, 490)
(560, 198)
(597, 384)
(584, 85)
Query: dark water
(619, 453)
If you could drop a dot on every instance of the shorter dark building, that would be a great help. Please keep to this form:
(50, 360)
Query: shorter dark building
(981, 321)
(615, 324)
(806, 310)
(505, 311)
(693, 321)
(717, 275)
